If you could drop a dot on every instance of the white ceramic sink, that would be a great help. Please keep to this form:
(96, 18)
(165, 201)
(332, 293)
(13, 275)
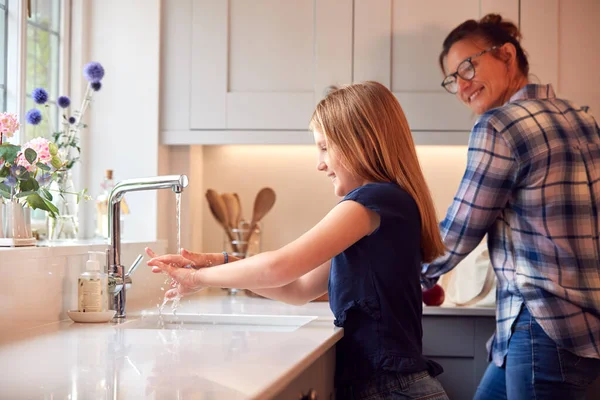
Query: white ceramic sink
(228, 322)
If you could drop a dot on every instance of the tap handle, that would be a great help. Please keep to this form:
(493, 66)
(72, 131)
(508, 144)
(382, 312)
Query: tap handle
(135, 264)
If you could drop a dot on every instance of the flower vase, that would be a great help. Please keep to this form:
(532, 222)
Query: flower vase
(65, 225)
(15, 225)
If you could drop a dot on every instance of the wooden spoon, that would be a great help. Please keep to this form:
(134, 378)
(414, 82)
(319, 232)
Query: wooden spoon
(240, 218)
(231, 204)
(219, 211)
(262, 205)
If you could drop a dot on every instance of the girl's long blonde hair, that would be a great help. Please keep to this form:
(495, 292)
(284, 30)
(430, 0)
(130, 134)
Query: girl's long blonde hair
(367, 127)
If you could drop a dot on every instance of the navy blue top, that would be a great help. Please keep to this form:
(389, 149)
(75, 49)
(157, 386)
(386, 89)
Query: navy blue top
(375, 290)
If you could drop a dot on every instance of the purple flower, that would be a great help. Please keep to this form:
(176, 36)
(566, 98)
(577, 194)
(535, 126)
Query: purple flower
(17, 170)
(93, 72)
(33, 116)
(96, 86)
(72, 120)
(39, 95)
(44, 178)
(63, 102)
(10, 181)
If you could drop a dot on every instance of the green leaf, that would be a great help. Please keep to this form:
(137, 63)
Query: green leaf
(46, 193)
(29, 185)
(9, 152)
(25, 194)
(82, 195)
(43, 166)
(30, 155)
(25, 176)
(51, 208)
(35, 201)
(53, 149)
(5, 190)
(56, 163)
(4, 171)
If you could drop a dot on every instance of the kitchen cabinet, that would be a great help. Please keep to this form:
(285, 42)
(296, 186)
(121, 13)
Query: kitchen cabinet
(318, 377)
(561, 39)
(236, 72)
(250, 72)
(458, 345)
(457, 342)
(397, 42)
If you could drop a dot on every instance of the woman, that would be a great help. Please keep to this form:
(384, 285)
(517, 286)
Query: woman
(532, 184)
(366, 252)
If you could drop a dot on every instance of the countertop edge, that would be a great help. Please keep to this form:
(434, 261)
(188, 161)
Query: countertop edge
(283, 380)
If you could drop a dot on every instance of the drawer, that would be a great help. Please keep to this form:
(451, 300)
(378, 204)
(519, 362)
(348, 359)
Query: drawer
(448, 336)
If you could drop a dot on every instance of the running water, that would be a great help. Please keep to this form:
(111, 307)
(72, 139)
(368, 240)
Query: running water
(177, 299)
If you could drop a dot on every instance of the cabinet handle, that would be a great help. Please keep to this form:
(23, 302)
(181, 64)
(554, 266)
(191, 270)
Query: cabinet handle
(310, 395)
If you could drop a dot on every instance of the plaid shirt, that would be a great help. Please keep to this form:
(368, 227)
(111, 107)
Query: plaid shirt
(532, 184)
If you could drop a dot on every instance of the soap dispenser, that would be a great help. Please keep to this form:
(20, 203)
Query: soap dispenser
(92, 286)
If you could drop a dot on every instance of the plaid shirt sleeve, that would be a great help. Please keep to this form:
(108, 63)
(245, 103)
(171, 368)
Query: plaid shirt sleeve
(483, 192)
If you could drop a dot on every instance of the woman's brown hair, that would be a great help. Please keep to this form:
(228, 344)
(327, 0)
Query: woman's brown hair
(366, 125)
(494, 30)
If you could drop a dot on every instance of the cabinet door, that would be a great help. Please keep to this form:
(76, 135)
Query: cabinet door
(263, 64)
(397, 42)
(562, 40)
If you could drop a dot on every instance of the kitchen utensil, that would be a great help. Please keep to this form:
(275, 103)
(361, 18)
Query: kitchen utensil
(233, 211)
(262, 205)
(240, 215)
(219, 210)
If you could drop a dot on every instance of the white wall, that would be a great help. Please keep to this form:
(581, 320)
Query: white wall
(124, 36)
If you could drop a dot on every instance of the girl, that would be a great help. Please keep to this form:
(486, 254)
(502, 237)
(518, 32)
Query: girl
(366, 253)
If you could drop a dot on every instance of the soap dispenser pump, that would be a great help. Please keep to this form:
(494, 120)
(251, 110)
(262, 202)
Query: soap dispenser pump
(92, 286)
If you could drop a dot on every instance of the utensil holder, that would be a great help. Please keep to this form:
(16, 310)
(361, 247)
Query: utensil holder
(236, 245)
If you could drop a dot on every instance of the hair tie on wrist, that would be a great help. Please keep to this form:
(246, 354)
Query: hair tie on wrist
(226, 257)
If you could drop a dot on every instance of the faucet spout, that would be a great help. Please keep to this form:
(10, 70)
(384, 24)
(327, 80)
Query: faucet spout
(115, 269)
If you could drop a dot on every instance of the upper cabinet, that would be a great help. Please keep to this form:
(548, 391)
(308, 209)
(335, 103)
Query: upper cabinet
(239, 71)
(562, 40)
(251, 71)
(398, 42)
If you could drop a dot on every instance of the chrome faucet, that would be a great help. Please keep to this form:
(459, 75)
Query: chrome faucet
(119, 281)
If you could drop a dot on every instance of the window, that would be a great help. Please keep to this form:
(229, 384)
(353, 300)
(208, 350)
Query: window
(3, 53)
(43, 61)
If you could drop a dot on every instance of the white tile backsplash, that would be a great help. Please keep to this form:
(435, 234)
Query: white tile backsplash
(40, 283)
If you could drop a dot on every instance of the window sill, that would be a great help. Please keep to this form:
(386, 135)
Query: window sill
(45, 248)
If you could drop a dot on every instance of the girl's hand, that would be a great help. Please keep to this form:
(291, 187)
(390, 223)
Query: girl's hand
(186, 259)
(180, 269)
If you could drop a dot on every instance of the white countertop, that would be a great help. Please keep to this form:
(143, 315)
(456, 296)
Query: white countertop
(67, 360)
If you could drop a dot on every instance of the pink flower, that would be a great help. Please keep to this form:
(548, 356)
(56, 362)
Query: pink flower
(41, 147)
(9, 124)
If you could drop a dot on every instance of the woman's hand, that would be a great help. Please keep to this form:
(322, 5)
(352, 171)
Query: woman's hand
(181, 268)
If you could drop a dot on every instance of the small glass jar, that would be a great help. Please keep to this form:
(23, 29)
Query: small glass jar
(241, 244)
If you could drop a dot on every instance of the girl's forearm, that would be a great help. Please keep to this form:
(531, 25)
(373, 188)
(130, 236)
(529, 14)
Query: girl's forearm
(259, 271)
(286, 294)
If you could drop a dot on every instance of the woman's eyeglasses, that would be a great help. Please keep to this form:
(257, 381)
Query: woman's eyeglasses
(465, 70)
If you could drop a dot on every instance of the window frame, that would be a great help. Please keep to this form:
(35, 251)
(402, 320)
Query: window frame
(4, 14)
(16, 56)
